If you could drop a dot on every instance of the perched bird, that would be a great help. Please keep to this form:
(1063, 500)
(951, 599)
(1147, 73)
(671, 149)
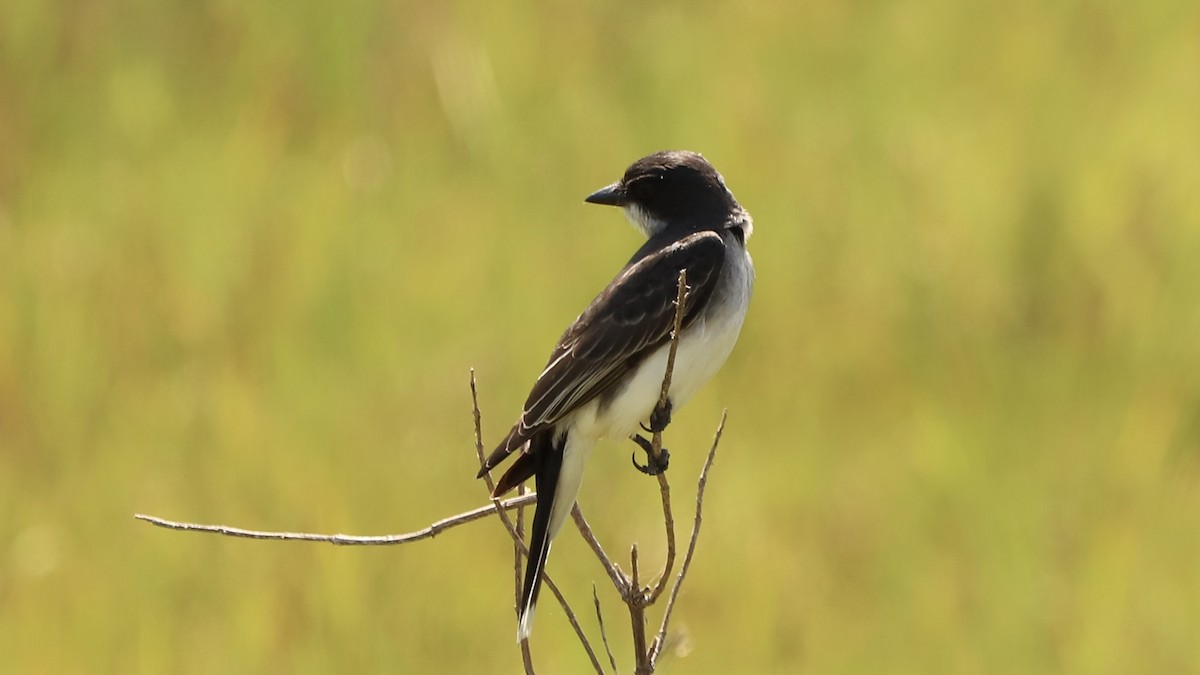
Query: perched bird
(605, 376)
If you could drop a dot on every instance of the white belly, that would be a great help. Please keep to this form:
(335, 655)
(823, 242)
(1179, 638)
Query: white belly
(702, 350)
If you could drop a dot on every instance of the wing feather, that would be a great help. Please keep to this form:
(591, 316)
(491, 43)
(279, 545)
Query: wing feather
(624, 324)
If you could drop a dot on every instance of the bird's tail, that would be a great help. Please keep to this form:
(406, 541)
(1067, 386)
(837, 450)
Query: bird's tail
(559, 474)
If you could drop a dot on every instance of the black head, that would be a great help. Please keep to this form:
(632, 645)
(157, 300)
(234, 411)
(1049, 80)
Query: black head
(669, 187)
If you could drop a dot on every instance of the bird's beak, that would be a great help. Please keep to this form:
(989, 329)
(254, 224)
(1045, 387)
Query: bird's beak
(612, 195)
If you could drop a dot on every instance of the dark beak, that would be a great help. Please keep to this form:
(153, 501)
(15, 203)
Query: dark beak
(612, 195)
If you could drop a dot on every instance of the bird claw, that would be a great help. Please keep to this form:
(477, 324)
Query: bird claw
(653, 465)
(660, 417)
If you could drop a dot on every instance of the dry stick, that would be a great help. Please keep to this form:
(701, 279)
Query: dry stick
(664, 490)
(676, 327)
(603, 633)
(656, 649)
(508, 525)
(620, 581)
(656, 442)
(347, 539)
(637, 617)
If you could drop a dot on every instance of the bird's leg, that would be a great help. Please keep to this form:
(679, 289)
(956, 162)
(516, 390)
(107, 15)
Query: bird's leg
(660, 417)
(654, 465)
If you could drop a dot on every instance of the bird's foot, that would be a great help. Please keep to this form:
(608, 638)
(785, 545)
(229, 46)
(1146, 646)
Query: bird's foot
(654, 465)
(660, 417)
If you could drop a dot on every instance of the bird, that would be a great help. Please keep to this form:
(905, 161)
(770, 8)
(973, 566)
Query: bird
(605, 374)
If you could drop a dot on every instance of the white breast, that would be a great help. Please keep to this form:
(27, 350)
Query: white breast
(702, 350)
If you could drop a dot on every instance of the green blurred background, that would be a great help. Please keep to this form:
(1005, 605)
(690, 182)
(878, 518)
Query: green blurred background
(249, 251)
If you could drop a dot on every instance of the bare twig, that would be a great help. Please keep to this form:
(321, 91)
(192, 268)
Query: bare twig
(636, 599)
(620, 581)
(603, 633)
(691, 549)
(664, 490)
(347, 539)
(664, 487)
(519, 541)
(676, 328)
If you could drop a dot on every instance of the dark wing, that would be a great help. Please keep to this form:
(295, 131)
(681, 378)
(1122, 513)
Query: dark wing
(625, 323)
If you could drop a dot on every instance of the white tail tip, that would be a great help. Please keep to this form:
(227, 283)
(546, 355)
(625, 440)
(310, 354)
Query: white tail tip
(525, 625)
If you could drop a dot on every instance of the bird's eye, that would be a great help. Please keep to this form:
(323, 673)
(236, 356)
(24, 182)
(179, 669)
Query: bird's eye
(644, 186)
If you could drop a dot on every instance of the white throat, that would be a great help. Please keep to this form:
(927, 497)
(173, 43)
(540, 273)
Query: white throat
(643, 221)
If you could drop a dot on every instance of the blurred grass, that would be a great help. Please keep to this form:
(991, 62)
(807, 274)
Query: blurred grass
(249, 251)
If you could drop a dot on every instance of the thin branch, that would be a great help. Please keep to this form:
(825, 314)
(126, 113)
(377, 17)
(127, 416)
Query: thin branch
(518, 540)
(347, 539)
(478, 418)
(603, 633)
(664, 487)
(691, 549)
(664, 490)
(634, 575)
(637, 617)
(676, 329)
(620, 581)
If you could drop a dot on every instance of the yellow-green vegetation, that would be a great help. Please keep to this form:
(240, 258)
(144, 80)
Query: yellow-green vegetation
(248, 252)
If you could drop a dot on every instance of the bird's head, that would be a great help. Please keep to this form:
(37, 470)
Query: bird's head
(668, 188)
